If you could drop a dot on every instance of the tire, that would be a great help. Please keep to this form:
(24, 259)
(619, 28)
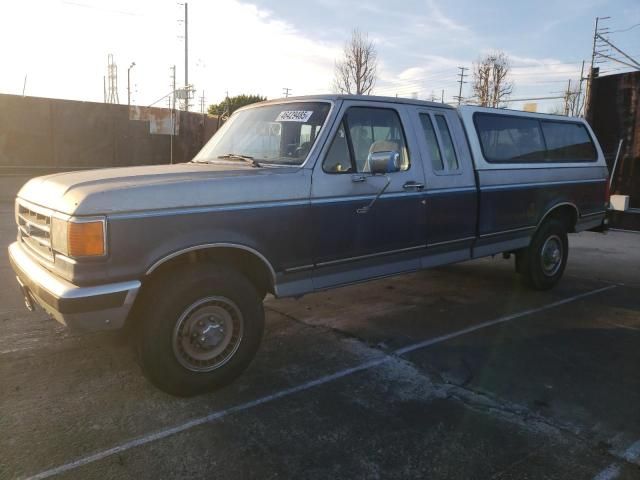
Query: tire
(199, 327)
(543, 263)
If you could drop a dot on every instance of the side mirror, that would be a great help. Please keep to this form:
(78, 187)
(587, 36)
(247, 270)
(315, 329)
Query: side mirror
(381, 163)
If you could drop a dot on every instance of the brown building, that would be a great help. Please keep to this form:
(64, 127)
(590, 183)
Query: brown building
(614, 114)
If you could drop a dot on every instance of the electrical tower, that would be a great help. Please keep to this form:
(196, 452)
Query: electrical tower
(461, 81)
(286, 92)
(112, 75)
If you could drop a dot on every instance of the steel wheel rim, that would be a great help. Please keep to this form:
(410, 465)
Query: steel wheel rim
(207, 334)
(551, 255)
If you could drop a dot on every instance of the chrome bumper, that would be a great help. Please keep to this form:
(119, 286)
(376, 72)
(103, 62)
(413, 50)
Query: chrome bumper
(101, 307)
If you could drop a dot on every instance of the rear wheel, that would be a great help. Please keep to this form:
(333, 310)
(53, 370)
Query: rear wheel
(543, 263)
(198, 328)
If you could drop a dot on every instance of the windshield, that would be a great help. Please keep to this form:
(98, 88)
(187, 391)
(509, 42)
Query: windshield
(272, 134)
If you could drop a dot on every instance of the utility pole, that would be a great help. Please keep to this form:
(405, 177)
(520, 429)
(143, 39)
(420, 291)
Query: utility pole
(133, 64)
(567, 99)
(202, 103)
(24, 85)
(579, 99)
(186, 56)
(286, 91)
(442, 97)
(461, 81)
(173, 110)
(596, 33)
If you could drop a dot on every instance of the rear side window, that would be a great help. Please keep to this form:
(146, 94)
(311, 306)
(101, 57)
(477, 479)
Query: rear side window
(506, 139)
(432, 142)
(568, 142)
(447, 144)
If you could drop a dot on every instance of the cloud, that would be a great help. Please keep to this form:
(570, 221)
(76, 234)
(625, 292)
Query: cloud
(233, 46)
(436, 15)
(257, 52)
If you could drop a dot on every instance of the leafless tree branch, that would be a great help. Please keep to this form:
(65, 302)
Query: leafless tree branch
(356, 72)
(491, 84)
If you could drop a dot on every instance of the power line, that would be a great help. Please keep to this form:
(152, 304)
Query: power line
(626, 29)
(515, 71)
(532, 98)
(415, 83)
(632, 60)
(409, 89)
(413, 86)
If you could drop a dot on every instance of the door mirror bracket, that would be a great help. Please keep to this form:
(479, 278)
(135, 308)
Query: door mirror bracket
(381, 163)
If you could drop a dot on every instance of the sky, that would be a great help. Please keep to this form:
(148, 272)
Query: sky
(263, 46)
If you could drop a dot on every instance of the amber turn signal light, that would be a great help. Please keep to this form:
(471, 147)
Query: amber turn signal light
(86, 239)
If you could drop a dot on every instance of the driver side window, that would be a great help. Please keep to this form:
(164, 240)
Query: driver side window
(364, 131)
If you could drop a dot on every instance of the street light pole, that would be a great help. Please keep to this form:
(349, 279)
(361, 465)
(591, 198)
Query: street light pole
(133, 64)
(187, 88)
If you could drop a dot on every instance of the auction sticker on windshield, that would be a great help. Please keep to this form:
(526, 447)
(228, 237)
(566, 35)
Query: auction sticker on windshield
(294, 116)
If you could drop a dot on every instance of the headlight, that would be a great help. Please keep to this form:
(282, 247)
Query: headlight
(79, 238)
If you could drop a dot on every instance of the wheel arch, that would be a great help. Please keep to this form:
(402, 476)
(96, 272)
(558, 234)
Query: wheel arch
(247, 260)
(567, 212)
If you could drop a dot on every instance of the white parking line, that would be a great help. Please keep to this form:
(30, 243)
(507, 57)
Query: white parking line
(631, 454)
(298, 388)
(609, 473)
(507, 318)
(624, 230)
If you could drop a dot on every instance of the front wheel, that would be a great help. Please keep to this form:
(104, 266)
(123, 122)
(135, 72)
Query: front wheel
(199, 328)
(543, 263)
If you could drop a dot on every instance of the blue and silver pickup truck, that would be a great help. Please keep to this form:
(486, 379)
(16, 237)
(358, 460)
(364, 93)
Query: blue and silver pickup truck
(294, 196)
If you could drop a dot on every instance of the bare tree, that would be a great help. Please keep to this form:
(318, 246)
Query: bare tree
(356, 72)
(491, 85)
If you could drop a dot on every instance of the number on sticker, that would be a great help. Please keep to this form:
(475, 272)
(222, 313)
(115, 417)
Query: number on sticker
(294, 116)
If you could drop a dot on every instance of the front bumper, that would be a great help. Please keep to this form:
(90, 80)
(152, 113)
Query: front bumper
(101, 307)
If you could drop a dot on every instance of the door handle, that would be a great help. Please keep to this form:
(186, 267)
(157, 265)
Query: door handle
(413, 186)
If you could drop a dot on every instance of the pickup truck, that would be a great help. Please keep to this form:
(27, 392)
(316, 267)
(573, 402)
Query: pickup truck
(294, 196)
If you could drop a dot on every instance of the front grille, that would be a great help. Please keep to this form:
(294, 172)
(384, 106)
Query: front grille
(34, 230)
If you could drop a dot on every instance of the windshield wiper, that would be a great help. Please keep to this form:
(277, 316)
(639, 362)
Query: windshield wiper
(245, 158)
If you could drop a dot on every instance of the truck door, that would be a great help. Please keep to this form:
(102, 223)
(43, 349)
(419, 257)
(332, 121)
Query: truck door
(451, 196)
(351, 243)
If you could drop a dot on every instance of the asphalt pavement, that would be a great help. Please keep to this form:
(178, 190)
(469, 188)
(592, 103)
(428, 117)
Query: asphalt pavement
(458, 372)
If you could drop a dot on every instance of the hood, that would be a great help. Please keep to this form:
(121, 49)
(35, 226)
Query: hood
(129, 189)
